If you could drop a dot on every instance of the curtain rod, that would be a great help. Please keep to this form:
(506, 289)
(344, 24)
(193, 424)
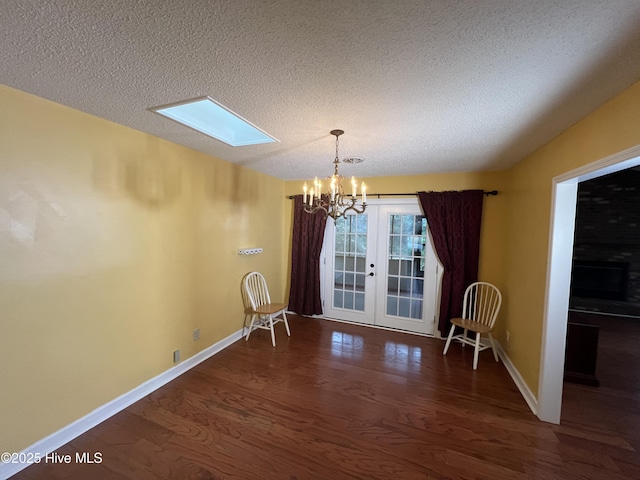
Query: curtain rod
(492, 193)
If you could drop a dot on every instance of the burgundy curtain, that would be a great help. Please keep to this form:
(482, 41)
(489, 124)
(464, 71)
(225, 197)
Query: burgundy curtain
(308, 235)
(454, 222)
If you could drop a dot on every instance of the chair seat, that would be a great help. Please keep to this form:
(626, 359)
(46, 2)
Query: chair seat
(270, 308)
(471, 325)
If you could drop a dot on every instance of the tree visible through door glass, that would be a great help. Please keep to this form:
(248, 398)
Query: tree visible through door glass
(350, 250)
(406, 257)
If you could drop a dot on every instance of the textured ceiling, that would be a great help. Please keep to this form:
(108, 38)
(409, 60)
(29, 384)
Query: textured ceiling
(418, 86)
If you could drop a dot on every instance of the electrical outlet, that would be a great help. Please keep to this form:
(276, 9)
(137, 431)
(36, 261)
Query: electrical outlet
(507, 335)
(196, 334)
(176, 356)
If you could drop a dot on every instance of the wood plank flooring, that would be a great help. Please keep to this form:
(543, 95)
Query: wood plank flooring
(339, 401)
(610, 412)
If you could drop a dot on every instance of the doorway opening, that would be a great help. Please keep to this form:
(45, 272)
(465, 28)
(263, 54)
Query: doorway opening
(563, 214)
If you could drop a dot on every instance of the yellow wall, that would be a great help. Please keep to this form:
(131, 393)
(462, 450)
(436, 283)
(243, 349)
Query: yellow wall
(492, 241)
(612, 128)
(114, 246)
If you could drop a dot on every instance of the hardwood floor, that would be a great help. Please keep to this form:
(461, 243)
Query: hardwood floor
(612, 410)
(338, 401)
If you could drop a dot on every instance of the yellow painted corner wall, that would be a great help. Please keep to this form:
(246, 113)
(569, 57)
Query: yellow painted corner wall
(114, 246)
(493, 237)
(612, 128)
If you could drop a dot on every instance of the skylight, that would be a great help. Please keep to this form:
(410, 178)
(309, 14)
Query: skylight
(213, 119)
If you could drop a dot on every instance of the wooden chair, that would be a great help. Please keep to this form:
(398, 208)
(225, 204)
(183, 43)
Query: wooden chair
(480, 308)
(258, 305)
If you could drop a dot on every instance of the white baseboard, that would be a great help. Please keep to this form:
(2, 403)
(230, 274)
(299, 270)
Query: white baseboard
(63, 436)
(528, 395)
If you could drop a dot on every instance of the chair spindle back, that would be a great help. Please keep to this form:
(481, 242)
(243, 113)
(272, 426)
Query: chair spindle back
(482, 302)
(256, 288)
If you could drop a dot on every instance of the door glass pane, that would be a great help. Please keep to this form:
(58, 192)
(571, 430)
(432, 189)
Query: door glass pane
(405, 287)
(407, 224)
(418, 267)
(337, 298)
(420, 226)
(349, 281)
(394, 245)
(392, 286)
(361, 244)
(406, 260)
(349, 267)
(351, 224)
(394, 224)
(362, 224)
(392, 305)
(348, 300)
(416, 309)
(359, 302)
(404, 308)
(405, 268)
(350, 263)
(418, 245)
(406, 249)
(394, 266)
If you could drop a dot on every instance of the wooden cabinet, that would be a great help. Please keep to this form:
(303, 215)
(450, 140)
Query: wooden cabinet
(581, 354)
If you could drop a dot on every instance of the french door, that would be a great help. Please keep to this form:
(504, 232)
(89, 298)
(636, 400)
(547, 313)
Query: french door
(380, 268)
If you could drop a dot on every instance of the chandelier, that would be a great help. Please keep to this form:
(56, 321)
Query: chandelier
(334, 202)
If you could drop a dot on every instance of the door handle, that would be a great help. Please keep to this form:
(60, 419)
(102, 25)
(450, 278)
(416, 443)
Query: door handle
(371, 274)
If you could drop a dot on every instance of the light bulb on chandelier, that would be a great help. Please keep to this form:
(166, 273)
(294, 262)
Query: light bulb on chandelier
(334, 203)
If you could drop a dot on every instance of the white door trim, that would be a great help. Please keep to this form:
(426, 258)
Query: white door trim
(554, 326)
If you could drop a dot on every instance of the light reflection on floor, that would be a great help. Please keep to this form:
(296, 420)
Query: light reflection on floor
(345, 345)
(402, 357)
(397, 356)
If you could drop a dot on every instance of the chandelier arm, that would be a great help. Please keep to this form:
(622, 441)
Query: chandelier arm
(315, 209)
(346, 200)
(354, 208)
